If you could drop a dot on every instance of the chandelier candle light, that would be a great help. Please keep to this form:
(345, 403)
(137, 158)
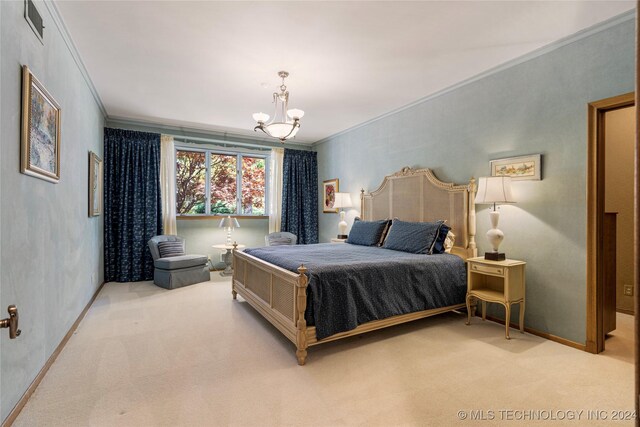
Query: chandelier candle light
(342, 200)
(494, 190)
(229, 223)
(285, 123)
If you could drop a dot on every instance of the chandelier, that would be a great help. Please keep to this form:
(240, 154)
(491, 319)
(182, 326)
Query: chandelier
(285, 123)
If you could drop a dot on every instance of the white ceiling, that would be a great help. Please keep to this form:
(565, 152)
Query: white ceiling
(204, 64)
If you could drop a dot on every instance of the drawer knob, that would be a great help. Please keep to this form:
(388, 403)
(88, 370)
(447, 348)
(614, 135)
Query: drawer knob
(475, 267)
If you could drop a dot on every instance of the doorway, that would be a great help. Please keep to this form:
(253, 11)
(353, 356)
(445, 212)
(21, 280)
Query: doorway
(610, 202)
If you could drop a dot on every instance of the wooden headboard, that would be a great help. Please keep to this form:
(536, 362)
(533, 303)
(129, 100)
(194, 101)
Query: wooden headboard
(417, 195)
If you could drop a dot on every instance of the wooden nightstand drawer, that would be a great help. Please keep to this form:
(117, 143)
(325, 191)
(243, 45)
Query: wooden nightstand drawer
(499, 282)
(489, 269)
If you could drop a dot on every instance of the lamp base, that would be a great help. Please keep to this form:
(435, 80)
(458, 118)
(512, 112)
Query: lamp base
(495, 256)
(342, 236)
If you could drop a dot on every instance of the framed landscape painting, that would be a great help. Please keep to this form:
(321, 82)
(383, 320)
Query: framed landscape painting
(95, 184)
(40, 141)
(518, 168)
(329, 189)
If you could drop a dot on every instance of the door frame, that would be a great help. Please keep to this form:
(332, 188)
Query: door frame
(595, 214)
(636, 232)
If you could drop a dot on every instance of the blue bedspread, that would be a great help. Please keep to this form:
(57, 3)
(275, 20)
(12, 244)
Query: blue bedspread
(350, 285)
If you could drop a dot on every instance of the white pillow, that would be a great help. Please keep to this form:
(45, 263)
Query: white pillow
(449, 241)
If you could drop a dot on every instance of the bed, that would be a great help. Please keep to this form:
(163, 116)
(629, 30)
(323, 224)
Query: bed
(290, 296)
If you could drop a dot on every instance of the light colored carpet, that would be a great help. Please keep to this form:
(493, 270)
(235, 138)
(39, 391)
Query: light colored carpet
(145, 356)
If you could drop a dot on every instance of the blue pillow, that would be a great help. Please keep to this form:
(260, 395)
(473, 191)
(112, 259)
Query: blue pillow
(367, 233)
(438, 245)
(171, 248)
(413, 237)
(280, 241)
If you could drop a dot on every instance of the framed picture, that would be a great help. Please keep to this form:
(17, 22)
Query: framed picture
(95, 184)
(330, 187)
(40, 142)
(518, 168)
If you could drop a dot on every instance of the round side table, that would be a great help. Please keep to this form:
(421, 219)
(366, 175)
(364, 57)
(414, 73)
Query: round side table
(228, 257)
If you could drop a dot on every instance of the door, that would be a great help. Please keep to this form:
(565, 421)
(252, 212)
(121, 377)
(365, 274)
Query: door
(609, 265)
(619, 198)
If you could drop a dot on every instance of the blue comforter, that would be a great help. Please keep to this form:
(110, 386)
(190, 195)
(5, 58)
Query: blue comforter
(350, 285)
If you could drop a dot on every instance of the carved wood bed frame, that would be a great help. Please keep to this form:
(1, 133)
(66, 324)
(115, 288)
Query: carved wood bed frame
(280, 296)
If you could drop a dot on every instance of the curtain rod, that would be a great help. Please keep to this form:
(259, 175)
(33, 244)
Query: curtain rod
(195, 135)
(225, 144)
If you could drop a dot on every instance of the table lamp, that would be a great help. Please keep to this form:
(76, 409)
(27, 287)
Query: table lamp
(229, 223)
(494, 190)
(343, 200)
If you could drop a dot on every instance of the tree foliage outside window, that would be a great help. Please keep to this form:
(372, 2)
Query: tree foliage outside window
(223, 184)
(253, 184)
(195, 168)
(190, 182)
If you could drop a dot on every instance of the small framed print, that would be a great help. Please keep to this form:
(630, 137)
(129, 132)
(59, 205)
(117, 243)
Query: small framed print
(40, 141)
(518, 168)
(329, 189)
(95, 185)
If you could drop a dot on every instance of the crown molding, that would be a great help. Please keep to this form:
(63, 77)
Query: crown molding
(587, 32)
(66, 36)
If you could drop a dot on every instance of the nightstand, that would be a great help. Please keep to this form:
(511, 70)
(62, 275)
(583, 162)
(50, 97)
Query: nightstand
(334, 240)
(501, 282)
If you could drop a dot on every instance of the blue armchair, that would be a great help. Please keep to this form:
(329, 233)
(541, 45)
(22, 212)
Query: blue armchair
(175, 269)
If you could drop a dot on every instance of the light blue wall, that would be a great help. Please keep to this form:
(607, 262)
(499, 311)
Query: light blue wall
(538, 106)
(201, 234)
(51, 251)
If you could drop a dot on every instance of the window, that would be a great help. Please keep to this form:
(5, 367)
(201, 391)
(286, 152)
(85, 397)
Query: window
(210, 182)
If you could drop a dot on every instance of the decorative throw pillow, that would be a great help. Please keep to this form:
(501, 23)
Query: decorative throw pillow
(280, 241)
(439, 243)
(449, 242)
(384, 233)
(367, 233)
(170, 249)
(413, 237)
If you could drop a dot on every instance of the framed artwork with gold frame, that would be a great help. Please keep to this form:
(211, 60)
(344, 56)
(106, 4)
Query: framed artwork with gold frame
(518, 168)
(40, 139)
(329, 189)
(95, 184)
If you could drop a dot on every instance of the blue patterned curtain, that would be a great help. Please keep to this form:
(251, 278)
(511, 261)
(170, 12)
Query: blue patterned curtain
(132, 206)
(300, 195)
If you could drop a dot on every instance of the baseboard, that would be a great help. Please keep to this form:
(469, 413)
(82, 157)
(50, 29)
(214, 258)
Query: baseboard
(541, 334)
(625, 311)
(36, 382)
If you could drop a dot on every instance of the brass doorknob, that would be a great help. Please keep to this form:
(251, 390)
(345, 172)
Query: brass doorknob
(11, 322)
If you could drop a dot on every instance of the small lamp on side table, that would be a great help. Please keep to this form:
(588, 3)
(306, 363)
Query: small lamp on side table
(343, 200)
(229, 223)
(494, 190)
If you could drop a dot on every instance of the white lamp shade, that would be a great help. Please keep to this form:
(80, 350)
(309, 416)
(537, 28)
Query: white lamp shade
(294, 113)
(343, 200)
(260, 117)
(494, 189)
(229, 222)
(281, 130)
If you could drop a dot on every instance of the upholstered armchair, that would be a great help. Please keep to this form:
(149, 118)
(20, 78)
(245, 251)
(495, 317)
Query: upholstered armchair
(174, 269)
(280, 238)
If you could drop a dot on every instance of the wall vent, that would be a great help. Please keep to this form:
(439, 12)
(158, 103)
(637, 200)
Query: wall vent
(34, 19)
